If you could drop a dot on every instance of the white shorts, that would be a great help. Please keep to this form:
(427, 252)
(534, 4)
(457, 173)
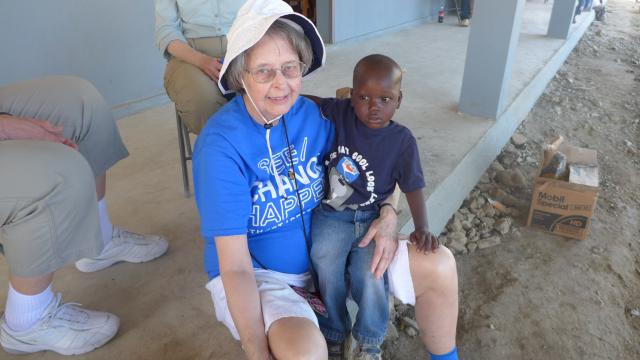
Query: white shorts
(399, 275)
(278, 300)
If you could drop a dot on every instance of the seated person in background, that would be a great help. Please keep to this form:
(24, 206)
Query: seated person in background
(191, 35)
(370, 155)
(49, 213)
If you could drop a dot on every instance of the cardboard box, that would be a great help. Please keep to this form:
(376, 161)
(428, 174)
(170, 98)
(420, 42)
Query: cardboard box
(562, 207)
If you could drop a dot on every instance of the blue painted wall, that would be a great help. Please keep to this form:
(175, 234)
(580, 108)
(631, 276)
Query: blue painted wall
(354, 18)
(110, 43)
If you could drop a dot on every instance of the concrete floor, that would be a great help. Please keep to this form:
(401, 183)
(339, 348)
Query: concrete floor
(165, 311)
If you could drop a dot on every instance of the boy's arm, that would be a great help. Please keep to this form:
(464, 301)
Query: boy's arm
(315, 99)
(421, 237)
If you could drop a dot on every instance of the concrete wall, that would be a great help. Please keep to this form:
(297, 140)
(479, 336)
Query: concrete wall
(110, 43)
(352, 18)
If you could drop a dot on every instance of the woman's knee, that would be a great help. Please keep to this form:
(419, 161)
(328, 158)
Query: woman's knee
(433, 271)
(296, 338)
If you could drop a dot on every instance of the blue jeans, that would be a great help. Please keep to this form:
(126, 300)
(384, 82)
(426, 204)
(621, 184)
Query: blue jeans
(465, 9)
(339, 264)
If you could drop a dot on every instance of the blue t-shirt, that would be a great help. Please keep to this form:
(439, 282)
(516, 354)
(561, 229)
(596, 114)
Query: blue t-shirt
(365, 164)
(236, 191)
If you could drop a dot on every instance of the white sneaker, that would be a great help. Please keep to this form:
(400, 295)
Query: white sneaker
(464, 23)
(125, 246)
(66, 329)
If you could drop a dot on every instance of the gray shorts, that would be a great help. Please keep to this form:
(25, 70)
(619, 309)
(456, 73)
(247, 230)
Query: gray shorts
(48, 207)
(77, 105)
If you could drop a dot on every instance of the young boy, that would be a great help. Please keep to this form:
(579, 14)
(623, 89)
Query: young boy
(371, 154)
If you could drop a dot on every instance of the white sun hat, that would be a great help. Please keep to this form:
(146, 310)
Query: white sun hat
(253, 20)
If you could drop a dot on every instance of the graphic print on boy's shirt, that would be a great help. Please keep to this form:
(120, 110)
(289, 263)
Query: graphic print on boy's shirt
(365, 164)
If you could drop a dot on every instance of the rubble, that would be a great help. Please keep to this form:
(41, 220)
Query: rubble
(488, 214)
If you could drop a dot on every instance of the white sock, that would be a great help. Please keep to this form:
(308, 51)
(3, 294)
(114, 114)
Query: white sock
(23, 311)
(105, 222)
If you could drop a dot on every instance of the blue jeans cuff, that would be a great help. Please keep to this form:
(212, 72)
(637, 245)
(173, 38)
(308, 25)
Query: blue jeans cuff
(332, 335)
(367, 340)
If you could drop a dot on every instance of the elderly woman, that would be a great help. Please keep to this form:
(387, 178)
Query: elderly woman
(258, 175)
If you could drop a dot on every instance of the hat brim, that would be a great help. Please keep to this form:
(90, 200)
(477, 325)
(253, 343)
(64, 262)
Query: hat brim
(310, 31)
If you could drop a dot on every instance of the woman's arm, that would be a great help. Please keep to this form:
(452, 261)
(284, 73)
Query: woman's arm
(17, 128)
(383, 231)
(171, 41)
(239, 283)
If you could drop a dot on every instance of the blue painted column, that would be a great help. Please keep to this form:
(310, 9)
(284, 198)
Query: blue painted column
(493, 39)
(561, 18)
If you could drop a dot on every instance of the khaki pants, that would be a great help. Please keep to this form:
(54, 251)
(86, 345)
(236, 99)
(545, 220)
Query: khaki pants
(196, 96)
(75, 104)
(48, 207)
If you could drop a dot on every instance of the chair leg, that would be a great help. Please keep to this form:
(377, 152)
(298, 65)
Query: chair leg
(182, 132)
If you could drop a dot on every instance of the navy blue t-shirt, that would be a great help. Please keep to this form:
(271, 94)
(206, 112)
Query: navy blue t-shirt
(365, 164)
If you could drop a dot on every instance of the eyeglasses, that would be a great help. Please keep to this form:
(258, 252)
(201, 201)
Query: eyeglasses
(290, 70)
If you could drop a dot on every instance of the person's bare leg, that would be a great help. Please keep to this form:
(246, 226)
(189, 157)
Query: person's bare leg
(435, 281)
(296, 338)
(101, 186)
(31, 286)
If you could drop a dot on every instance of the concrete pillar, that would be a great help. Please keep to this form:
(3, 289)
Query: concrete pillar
(561, 18)
(493, 39)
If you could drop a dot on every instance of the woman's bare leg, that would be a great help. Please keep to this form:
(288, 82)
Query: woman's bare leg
(296, 338)
(435, 281)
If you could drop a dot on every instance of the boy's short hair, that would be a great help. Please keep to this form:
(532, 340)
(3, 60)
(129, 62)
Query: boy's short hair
(377, 62)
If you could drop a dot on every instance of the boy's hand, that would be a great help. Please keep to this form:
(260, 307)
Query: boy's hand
(424, 240)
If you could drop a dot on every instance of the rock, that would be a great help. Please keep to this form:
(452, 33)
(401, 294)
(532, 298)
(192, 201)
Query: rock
(409, 322)
(518, 140)
(473, 205)
(510, 148)
(492, 327)
(489, 210)
(489, 242)
(466, 225)
(485, 187)
(484, 178)
(471, 247)
(411, 331)
(392, 332)
(455, 226)
(457, 241)
(635, 312)
(503, 226)
(508, 158)
(508, 199)
(488, 221)
(511, 178)
(496, 166)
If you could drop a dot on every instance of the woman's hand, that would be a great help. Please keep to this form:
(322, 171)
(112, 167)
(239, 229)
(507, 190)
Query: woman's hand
(210, 66)
(17, 128)
(383, 231)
